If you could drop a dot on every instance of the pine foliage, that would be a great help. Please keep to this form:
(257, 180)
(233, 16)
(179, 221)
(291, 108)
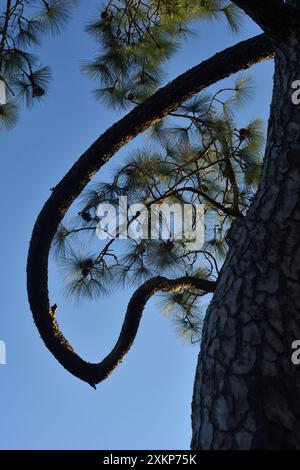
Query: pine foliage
(22, 24)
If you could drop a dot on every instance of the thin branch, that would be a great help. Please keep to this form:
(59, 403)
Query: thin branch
(134, 313)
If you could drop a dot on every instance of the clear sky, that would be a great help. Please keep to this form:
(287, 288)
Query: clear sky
(145, 404)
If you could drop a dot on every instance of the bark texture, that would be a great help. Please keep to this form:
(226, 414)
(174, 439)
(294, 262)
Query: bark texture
(247, 391)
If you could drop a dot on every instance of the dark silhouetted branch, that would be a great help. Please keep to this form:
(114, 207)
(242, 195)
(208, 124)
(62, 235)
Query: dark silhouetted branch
(222, 65)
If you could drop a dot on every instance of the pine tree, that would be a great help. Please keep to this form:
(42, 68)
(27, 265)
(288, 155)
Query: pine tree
(22, 23)
(246, 388)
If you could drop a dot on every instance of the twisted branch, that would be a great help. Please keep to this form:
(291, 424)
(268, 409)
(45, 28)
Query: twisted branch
(223, 64)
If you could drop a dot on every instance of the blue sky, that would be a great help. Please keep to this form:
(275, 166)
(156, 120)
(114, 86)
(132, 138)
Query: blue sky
(145, 404)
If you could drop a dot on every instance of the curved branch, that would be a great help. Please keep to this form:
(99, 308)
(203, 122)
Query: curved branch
(223, 64)
(226, 210)
(275, 17)
(134, 313)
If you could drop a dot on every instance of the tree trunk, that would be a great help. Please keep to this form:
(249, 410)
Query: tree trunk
(247, 391)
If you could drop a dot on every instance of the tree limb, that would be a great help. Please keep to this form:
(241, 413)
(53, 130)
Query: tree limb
(223, 64)
(231, 211)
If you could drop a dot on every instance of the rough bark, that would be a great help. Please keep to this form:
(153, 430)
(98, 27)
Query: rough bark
(233, 59)
(247, 391)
